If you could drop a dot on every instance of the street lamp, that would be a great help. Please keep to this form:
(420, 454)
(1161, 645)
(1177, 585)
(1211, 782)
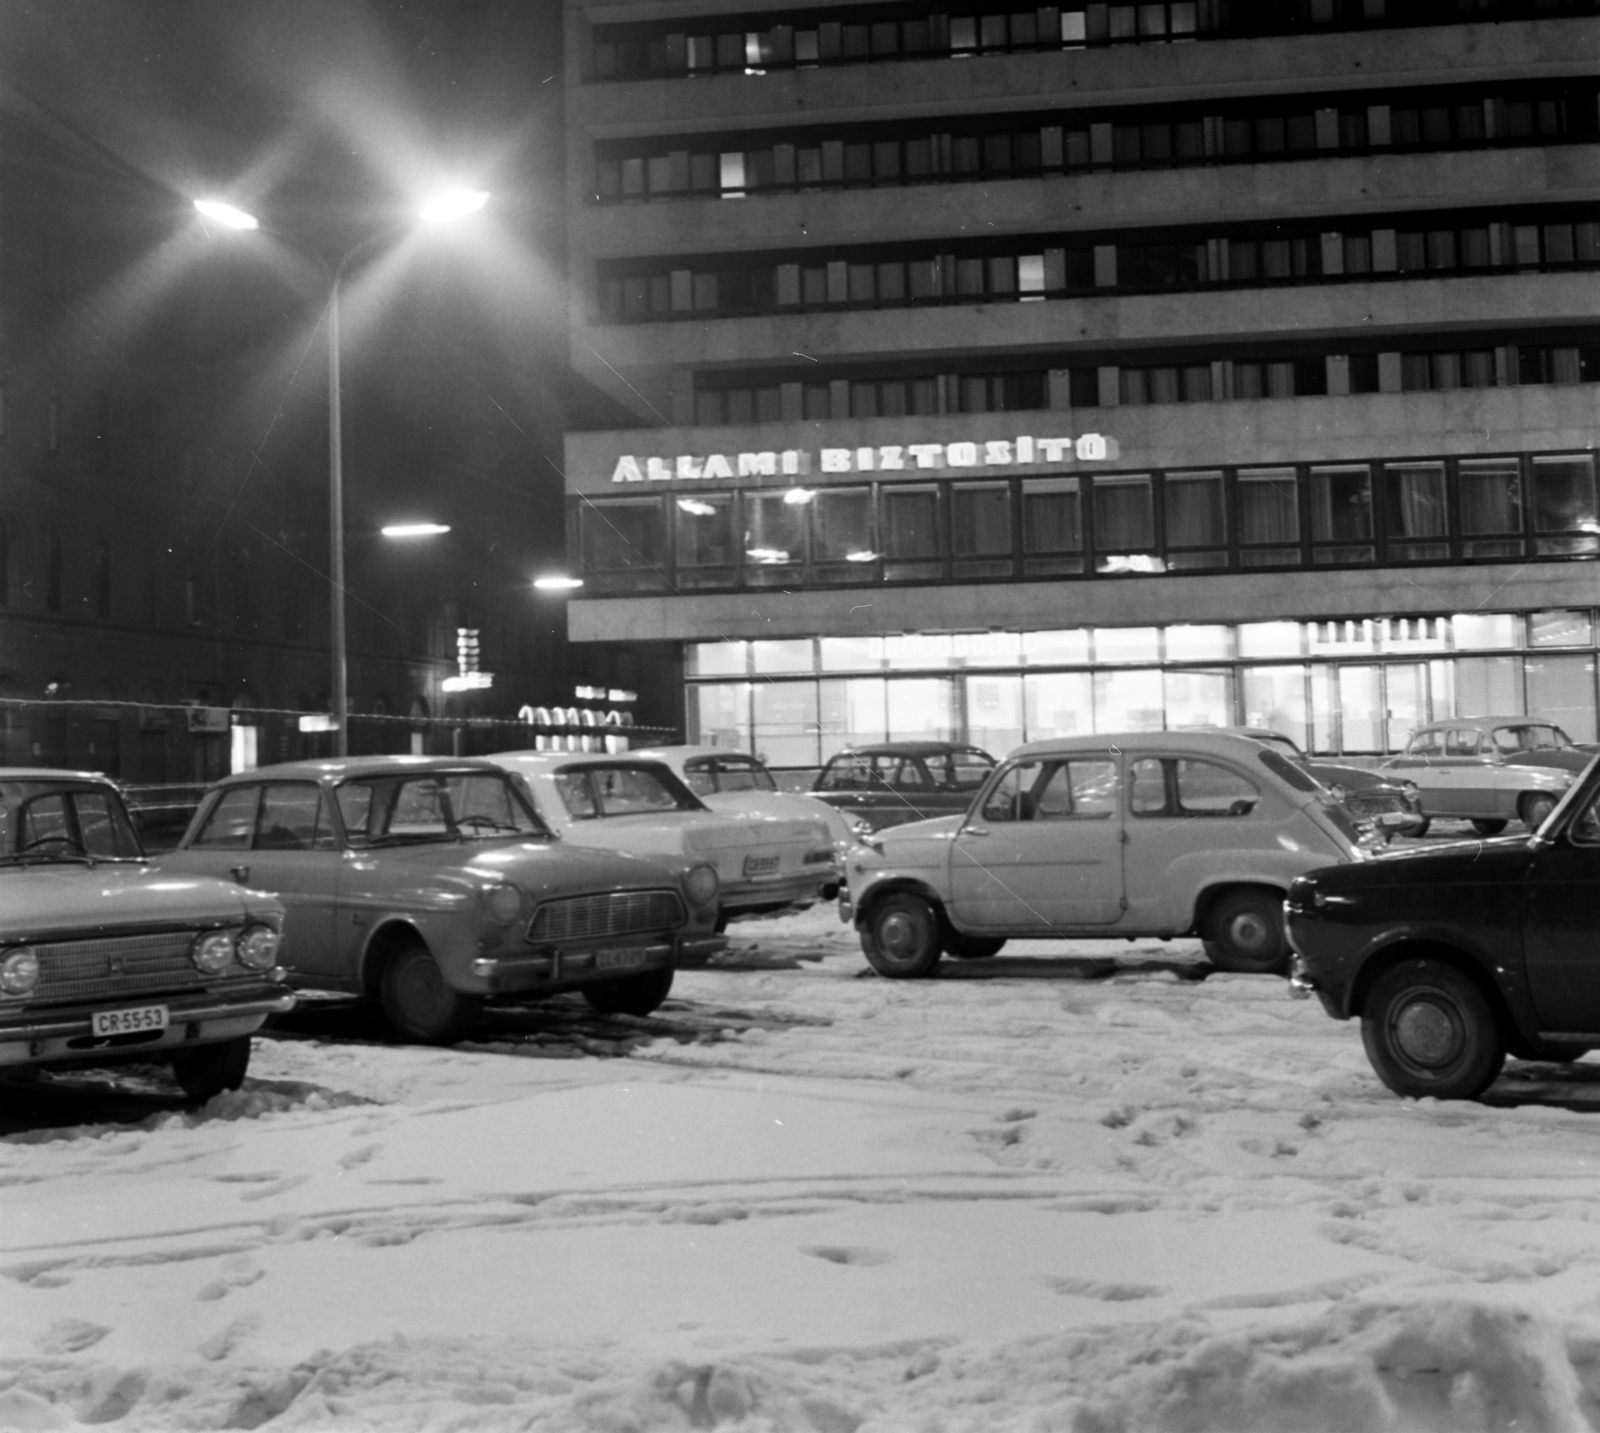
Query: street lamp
(455, 204)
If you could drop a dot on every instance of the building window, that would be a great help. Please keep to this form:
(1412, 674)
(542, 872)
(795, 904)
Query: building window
(980, 530)
(624, 542)
(1414, 512)
(1124, 523)
(1564, 517)
(913, 536)
(1196, 519)
(1052, 527)
(1269, 517)
(1341, 514)
(1491, 507)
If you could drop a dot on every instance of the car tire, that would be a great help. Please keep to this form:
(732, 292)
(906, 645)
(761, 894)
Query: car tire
(1534, 807)
(973, 947)
(1430, 1031)
(1489, 828)
(1244, 933)
(206, 1070)
(901, 937)
(420, 1005)
(633, 995)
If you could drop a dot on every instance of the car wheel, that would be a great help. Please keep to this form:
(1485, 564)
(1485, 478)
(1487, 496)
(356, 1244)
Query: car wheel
(1430, 1031)
(1534, 808)
(419, 1004)
(1488, 828)
(973, 947)
(206, 1070)
(901, 937)
(634, 995)
(1244, 933)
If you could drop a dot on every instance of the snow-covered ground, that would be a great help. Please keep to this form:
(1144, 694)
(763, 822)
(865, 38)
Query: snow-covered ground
(1072, 1191)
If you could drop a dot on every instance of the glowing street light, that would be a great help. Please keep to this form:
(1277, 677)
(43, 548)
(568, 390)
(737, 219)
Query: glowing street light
(415, 529)
(557, 582)
(453, 204)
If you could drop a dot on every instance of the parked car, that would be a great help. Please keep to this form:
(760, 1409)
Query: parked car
(103, 961)
(431, 885)
(765, 864)
(734, 781)
(1137, 834)
(1491, 770)
(892, 782)
(1453, 956)
(1391, 806)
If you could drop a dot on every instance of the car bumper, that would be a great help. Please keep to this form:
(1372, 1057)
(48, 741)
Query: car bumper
(206, 1016)
(570, 969)
(779, 892)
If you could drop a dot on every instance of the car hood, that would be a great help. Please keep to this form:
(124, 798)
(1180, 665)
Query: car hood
(775, 806)
(544, 868)
(1501, 858)
(1352, 778)
(57, 901)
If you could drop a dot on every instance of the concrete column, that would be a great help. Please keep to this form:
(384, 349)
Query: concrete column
(1338, 375)
(791, 401)
(1105, 266)
(1333, 253)
(1110, 394)
(1389, 373)
(682, 291)
(1378, 124)
(1385, 259)
(839, 398)
(1060, 389)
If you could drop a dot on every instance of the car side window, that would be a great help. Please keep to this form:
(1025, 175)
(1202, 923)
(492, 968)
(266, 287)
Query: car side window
(846, 773)
(44, 822)
(1012, 796)
(575, 793)
(1079, 790)
(910, 775)
(742, 776)
(1426, 743)
(1461, 741)
(969, 770)
(1147, 787)
(700, 777)
(1207, 789)
(102, 833)
(231, 821)
(293, 818)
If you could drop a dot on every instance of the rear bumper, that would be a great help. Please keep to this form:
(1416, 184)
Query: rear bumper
(205, 1016)
(569, 969)
(821, 884)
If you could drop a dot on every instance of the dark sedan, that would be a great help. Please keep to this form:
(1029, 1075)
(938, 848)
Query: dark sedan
(1455, 956)
(892, 782)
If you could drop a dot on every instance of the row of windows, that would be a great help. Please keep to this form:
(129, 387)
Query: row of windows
(1024, 270)
(1129, 385)
(1313, 515)
(1148, 137)
(876, 33)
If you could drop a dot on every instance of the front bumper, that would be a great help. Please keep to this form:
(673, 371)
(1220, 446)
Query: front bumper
(204, 1016)
(559, 969)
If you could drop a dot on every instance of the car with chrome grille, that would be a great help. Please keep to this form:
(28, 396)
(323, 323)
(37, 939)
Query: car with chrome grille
(106, 961)
(432, 886)
(767, 862)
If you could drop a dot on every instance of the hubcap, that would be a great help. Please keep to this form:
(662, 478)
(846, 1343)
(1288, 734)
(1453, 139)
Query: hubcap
(1426, 1033)
(897, 935)
(1250, 933)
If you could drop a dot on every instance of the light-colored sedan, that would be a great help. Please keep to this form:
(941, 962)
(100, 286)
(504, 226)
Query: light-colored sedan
(432, 886)
(766, 863)
(1160, 834)
(104, 960)
(1490, 770)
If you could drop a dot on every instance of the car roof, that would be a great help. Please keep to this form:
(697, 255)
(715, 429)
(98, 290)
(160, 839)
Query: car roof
(683, 750)
(1217, 743)
(1489, 721)
(909, 748)
(339, 768)
(52, 773)
(574, 758)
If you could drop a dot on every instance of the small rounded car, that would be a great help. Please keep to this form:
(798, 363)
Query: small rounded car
(1490, 770)
(105, 961)
(766, 863)
(432, 886)
(891, 782)
(1160, 834)
(1390, 804)
(1453, 956)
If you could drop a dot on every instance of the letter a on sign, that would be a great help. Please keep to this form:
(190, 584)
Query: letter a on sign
(627, 470)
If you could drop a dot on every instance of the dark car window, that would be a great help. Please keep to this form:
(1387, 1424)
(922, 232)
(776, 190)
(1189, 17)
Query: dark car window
(1531, 736)
(81, 820)
(1461, 741)
(968, 770)
(1078, 790)
(293, 818)
(598, 791)
(433, 806)
(910, 775)
(230, 822)
(1291, 771)
(1426, 743)
(848, 773)
(699, 775)
(743, 776)
(1182, 787)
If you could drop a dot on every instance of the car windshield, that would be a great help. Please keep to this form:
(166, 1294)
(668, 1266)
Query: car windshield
(965, 770)
(706, 775)
(1531, 736)
(51, 820)
(433, 806)
(592, 792)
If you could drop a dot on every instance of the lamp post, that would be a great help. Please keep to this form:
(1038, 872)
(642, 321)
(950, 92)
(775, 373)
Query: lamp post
(455, 204)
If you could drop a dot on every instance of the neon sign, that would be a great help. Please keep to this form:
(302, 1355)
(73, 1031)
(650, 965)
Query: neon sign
(885, 458)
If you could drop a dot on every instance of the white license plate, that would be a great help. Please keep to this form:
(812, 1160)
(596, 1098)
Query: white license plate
(617, 959)
(760, 865)
(140, 1019)
(1393, 818)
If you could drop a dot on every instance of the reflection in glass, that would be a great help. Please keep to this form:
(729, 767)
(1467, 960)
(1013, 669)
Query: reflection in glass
(841, 534)
(1341, 512)
(921, 709)
(851, 654)
(1127, 701)
(704, 528)
(786, 723)
(790, 655)
(1270, 639)
(1559, 629)
(1275, 697)
(980, 529)
(1269, 517)
(1057, 704)
(719, 715)
(851, 710)
(1198, 698)
(1562, 689)
(994, 712)
(714, 659)
(1564, 501)
(1127, 644)
(1414, 507)
(1491, 507)
(912, 539)
(1052, 526)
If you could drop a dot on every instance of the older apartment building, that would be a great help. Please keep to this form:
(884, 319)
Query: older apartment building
(1004, 372)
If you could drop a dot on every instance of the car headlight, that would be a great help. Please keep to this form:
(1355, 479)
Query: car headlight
(504, 904)
(1337, 791)
(700, 883)
(19, 972)
(212, 952)
(258, 947)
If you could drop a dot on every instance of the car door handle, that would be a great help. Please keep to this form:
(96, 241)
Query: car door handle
(975, 831)
(240, 873)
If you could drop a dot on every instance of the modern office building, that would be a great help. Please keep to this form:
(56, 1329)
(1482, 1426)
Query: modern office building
(1005, 372)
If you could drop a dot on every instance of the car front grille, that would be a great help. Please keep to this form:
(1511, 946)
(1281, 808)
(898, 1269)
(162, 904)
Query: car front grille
(116, 966)
(579, 918)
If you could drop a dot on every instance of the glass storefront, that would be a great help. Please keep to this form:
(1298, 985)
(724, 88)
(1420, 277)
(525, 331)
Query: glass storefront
(1347, 687)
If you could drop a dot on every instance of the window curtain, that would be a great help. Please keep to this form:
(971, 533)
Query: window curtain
(1416, 500)
(1194, 510)
(1269, 510)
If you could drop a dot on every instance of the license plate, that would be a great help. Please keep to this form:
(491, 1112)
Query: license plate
(129, 1022)
(617, 959)
(1393, 818)
(760, 865)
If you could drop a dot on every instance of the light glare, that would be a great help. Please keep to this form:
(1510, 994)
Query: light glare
(415, 529)
(455, 205)
(557, 582)
(226, 214)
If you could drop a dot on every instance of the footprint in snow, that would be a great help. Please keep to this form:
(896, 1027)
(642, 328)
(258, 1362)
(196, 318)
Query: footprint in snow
(224, 1341)
(357, 1157)
(841, 1254)
(70, 1336)
(282, 1186)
